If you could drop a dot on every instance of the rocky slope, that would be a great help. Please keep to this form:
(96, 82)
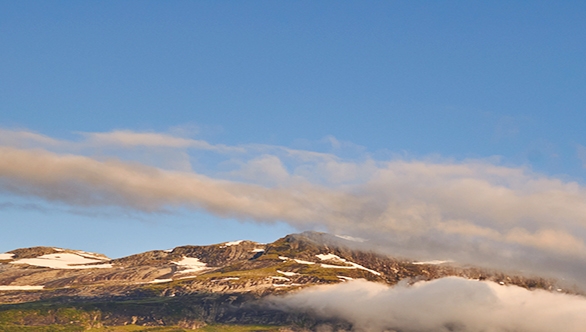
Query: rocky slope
(194, 285)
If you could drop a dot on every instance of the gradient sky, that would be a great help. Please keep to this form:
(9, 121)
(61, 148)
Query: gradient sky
(451, 83)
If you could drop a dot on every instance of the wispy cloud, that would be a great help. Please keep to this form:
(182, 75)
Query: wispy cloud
(448, 304)
(113, 139)
(472, 211)
(83, 181)
(28, 139)
(127, 138)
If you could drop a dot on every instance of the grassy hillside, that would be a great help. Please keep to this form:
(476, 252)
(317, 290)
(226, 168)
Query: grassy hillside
(200, 312)
(136, 328)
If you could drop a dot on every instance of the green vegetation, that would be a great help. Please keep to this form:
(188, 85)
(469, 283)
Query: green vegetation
(49, 318)
(50, 328)
(237, 328)
(61, 315)
(136, 328)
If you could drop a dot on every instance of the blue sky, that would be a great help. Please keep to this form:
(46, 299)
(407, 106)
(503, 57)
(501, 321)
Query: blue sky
(284, 104)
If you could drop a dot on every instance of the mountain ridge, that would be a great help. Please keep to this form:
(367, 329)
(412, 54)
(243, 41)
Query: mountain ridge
(315, 255)
(218, 283)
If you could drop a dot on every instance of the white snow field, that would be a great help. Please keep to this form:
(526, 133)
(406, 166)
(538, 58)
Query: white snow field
(281, 278)
(335, 257)
(329, 266)
(5, 288)
(6, 256)
(66, 261)
(343, 278)
(159, 281)
(288, 274)
(233, 243)
(191, 264)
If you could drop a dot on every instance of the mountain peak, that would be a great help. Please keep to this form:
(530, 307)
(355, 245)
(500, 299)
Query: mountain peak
(221, 272)
(296, 260)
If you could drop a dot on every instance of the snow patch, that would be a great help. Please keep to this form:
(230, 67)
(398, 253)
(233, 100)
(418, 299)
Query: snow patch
(344, 278)
(353, 265)
(159, 281)
(6, 256)
(300, 261)
(186, 277)
(5, 288)
(65, 261)
(191, 264)
(258, 250)
(328, 266)
(281, 278)
(288, 274)
(328, 257)
(233, 243)
(434, 262)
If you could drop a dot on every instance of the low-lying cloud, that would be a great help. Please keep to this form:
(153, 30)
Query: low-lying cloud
(448, 304)
(473, 211)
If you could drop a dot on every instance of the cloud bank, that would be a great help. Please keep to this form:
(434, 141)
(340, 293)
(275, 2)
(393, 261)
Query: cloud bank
(448, 304)
(473, 211)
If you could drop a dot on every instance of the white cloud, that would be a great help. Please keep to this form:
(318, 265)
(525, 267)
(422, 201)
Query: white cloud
(266, 169)
(114, 139)
(127, 138)
(472, 211)
(448, 304)
(28, 139)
